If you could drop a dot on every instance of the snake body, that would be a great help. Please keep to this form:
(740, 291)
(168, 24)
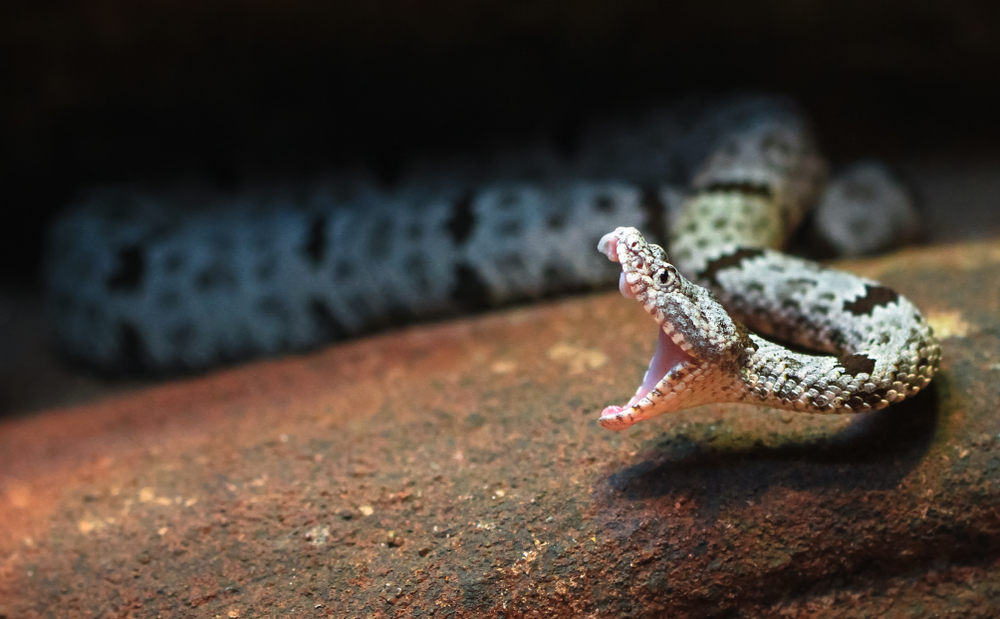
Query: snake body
(182, 279)
(878, 348)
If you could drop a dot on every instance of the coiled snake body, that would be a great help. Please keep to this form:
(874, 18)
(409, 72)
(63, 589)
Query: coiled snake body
(168, 280)
(746, 198)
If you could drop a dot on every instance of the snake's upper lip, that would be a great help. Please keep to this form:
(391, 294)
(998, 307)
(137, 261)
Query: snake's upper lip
(608, 245)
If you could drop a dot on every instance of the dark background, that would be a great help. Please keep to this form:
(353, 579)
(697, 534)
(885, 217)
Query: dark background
(101, 91)
(118, 90)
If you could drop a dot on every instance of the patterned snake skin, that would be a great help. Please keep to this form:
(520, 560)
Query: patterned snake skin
(184, 279)
(746, 198)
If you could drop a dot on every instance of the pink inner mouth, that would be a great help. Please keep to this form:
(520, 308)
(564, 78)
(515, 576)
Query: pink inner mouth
(667, 356)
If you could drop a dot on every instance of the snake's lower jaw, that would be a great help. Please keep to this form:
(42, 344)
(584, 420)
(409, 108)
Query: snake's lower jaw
(618, 417)
(656, 394)
(687, 385)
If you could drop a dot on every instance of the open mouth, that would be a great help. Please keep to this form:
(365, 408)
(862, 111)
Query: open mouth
(667, 357)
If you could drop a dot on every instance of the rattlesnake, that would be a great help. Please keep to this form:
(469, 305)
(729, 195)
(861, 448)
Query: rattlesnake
(186, 278)
(746, 198)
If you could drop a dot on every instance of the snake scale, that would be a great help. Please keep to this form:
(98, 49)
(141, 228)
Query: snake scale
(185, 279)
(745, 199)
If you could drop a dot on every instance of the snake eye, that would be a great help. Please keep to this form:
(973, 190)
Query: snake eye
(666, 276)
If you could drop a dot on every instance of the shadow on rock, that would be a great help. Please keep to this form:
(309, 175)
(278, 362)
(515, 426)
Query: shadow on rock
(874, 453)
(695, 515)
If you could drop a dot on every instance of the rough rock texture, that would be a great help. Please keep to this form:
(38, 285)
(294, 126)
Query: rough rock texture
(457, 470)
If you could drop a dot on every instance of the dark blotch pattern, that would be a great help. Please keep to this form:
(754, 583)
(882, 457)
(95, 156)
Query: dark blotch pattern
(130, 347)
(875, 296)
(604, 204)
(753, 189)
(470, 290)
(710, 273)
(131, 268)
(857, 364)
(315, 247)
(551, 276)
(326, 323)
(397, 314)
(462, 221)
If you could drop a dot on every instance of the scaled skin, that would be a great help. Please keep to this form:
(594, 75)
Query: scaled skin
(704, 356)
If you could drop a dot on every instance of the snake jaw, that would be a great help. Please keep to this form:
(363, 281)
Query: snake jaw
(671, 360)
(698, 343)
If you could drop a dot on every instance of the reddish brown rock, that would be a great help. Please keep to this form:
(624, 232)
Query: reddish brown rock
(457, 470)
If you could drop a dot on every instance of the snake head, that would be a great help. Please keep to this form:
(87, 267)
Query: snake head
(699, 346)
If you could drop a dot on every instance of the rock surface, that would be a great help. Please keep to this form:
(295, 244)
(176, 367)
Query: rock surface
(457, 470)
